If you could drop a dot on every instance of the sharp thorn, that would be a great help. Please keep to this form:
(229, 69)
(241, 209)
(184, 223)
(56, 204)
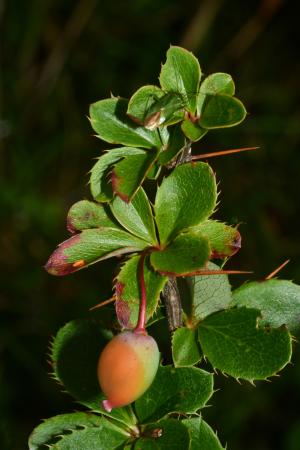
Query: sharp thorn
(223, 152)
(275, 272)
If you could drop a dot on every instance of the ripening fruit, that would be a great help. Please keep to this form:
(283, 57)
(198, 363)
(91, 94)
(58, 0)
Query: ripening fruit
(126, 368)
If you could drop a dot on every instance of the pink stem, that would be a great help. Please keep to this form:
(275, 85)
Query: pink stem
(140, 327)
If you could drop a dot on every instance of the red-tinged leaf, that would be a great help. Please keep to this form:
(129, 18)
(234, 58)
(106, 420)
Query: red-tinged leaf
(127, 291)
(89, 247)
(224, 240)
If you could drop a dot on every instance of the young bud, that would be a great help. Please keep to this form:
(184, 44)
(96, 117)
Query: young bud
(126, 368)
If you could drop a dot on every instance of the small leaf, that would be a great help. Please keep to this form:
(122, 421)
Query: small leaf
(128, 291)
(173, 144)
(105, 436)
(74, 354)
(136, 216)
(152, 107)
(202, 436)
(89, 247)
(141, 101)
(85, 214)
(187, 253)
(168, 434)
(184, 199)
(109, 120)
(129, 173)
(185, 347)
(220, 111)
(192, 130)
(203, 295)
(181, 73)
(184, 390)
(218, 83)
(235, 345)
(278, 301)
(224, 240)
(48, 431)
(100, 179)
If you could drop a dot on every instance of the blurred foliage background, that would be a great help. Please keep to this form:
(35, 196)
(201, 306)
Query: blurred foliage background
(56, 58)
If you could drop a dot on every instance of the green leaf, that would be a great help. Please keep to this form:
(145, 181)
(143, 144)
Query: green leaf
(128, 291)
(58, 427)
(136, 216)
(203, 295)
(278, 301)
(234, 344)
(129, 173)
(74, 354)
(109, 120)
(174, 143)
(220, 111)
(141, 101)
(202, 436)
(184, 199)
(185, 347)
(105, 436)
(169, 434)
(89, 247)
(224, 240)
(192, 130)
(188, 253)
(100, 179)
(183, 390)
(85, 214)
(218, 83)
(181, 73)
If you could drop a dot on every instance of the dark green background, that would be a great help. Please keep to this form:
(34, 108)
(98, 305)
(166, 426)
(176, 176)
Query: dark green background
(56, 58)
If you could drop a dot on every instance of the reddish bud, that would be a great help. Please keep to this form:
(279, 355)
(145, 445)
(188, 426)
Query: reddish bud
(126, 368)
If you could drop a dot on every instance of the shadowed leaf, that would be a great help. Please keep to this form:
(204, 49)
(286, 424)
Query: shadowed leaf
(100, 180)
(202, 436)
(182, 390)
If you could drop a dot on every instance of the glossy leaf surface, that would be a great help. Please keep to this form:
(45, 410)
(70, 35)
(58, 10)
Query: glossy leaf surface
(184, 199)
(111, 123)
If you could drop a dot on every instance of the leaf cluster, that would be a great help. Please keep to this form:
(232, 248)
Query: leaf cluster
(245, 333)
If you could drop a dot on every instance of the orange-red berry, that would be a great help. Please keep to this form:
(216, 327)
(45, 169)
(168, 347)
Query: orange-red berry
(126, 368)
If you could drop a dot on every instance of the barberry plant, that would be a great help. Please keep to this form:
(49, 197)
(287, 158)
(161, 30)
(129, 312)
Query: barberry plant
(172, 278)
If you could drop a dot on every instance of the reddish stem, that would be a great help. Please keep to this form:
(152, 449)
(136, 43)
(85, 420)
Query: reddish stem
(140, 327)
